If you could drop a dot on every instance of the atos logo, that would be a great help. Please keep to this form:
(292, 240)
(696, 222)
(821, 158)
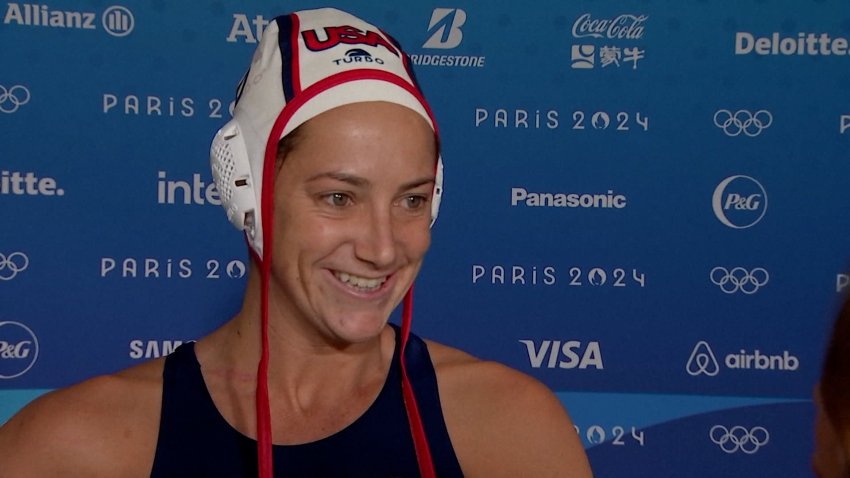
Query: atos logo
(18, 349)
(346, 35)
(703, 361)
(249, 30)
(445, 28)
(739, 202)
(844, 124)
(842, 281)
(567, 355)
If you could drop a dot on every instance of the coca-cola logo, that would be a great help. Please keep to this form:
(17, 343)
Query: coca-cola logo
(18, 349)
(622, 27)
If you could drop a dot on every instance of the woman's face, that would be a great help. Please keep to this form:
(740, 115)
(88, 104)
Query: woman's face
(352, 217)
(828, 459)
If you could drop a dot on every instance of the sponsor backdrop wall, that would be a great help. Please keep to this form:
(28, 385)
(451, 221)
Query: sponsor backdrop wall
(646, 203)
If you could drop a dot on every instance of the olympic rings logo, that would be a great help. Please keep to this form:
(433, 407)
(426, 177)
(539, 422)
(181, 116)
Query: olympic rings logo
(739, 279)
(742, 121)
(739, 438)
(13, 98)
(12, 264)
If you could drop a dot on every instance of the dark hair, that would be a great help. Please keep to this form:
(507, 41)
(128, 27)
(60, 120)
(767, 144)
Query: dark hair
(835, 376)
(286, 145)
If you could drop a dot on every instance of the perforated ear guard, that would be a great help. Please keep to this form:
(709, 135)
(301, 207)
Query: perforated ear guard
(438, 191)
(231, 171)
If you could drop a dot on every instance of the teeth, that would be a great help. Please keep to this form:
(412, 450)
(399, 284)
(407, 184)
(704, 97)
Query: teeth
(360, 282)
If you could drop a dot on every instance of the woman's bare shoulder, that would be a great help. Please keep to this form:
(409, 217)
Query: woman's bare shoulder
(104, 426)
(503, 422)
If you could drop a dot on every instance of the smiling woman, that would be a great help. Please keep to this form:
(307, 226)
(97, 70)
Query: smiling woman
(333, 171)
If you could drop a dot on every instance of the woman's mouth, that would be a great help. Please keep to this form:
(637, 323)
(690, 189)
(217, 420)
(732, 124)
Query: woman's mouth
(362, 284)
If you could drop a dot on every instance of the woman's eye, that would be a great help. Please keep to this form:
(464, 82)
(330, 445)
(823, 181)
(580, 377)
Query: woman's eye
(414, 202)
(338, 199)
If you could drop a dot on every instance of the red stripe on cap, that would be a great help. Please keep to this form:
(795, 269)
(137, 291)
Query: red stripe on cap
(296, 64)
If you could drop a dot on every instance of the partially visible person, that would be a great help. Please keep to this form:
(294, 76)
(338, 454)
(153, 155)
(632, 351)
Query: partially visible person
(831, 456)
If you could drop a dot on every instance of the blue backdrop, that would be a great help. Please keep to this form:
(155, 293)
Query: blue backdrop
(645, 203)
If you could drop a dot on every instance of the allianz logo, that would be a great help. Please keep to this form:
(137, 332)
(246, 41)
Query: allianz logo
(703, 361)
(116, 20)
(569, 354)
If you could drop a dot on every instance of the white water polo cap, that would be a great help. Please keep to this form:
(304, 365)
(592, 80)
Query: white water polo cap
(307, 62)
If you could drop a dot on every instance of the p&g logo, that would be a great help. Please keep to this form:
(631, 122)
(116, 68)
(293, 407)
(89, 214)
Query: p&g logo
(18, 349)
(739, 202)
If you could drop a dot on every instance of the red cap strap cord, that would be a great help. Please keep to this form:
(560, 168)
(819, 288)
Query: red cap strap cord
(420, 440)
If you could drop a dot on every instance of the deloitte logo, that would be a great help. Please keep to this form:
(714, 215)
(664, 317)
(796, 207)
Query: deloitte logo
(739, 202)
(703, 361)
(18, 349)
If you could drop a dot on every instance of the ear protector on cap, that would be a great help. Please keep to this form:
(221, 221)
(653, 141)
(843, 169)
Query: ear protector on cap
(231, 171)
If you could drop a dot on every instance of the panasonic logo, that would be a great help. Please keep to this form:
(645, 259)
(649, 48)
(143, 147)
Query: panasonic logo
(522, 197)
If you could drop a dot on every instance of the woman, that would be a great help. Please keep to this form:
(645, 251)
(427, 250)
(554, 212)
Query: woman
(831, 457)
(331, 167)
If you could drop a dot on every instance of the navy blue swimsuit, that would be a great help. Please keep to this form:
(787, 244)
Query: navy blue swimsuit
(196, 441)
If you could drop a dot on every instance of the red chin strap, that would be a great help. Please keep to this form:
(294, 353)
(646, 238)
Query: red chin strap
(417, 430)
(265, 459)
(264, 419)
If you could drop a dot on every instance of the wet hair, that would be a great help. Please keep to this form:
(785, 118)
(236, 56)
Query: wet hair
(835, 377)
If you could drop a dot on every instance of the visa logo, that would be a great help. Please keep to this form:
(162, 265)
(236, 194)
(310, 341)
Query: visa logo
(567, 355)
